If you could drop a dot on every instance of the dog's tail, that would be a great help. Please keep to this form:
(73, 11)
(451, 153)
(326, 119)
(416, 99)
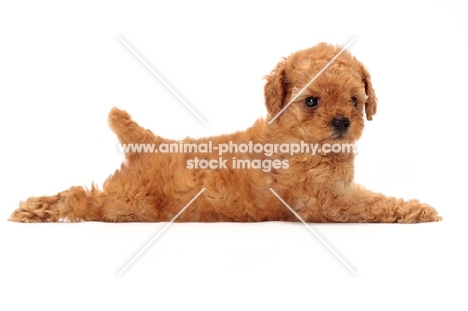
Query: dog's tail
(127, 130)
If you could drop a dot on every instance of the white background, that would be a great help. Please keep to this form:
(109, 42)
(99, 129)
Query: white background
(62, 68)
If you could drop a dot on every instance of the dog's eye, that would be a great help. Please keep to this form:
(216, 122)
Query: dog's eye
(312, 102)
(354, 101)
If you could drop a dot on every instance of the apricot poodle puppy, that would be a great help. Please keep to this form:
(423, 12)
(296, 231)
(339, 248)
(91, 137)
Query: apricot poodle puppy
(154, 187)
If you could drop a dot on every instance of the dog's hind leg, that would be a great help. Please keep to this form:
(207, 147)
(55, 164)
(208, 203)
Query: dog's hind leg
(119, 203)
(123, 199)
(74, 204)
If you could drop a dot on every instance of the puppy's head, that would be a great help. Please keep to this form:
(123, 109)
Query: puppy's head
(332, 106)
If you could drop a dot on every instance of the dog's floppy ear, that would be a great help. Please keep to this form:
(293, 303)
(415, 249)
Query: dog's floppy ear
(371, 103)
(276, 89)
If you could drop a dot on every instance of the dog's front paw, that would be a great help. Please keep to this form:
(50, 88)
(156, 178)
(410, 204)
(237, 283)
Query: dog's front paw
(417, 212)
(428, 214)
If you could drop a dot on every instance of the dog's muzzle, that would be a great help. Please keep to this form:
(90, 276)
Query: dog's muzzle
(340, 125)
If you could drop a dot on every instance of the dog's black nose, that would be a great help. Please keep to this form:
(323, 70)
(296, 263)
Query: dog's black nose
(340, 124)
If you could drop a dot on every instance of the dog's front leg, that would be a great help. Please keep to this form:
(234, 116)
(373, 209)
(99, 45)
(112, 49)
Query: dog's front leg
(357, 204)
